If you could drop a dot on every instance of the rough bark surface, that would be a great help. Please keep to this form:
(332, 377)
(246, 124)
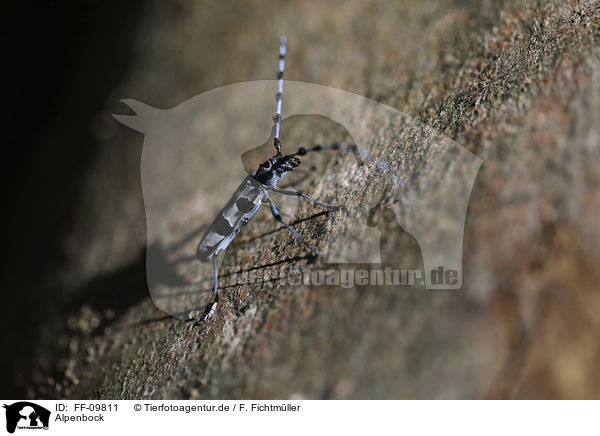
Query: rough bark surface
(516, 83)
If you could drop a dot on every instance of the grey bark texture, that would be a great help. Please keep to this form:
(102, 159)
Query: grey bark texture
(516, 83)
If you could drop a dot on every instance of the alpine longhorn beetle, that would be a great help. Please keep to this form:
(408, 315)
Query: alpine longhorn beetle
(253, 191)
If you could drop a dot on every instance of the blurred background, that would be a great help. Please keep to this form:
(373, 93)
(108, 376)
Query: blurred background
(516, 83)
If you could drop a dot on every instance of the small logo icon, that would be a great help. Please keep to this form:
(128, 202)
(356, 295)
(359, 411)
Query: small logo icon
(26, 415)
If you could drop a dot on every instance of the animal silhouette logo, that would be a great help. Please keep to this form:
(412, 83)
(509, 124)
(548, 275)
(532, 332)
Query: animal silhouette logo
(26, 415)
(432, 174)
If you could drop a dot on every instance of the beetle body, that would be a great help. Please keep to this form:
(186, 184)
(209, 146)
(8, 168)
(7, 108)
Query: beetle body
(253, 191)
(231, 219)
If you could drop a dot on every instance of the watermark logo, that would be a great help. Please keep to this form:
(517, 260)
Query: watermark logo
(25, 415)
(193, 159)
(346, 278)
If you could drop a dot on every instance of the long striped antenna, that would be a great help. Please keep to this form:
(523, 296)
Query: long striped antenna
(277, 117)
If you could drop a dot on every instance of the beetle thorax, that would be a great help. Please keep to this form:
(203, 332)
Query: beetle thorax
(271, 171)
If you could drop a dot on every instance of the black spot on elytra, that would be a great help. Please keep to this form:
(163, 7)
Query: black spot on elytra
(244, 205)
(221, 225)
